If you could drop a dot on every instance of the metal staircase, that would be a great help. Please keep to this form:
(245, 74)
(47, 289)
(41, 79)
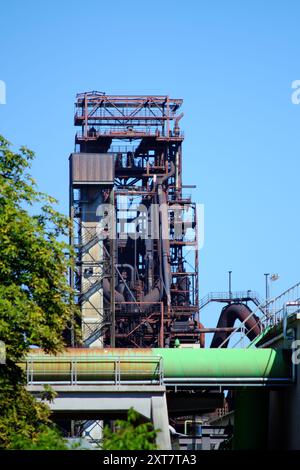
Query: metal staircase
(85, 247)
(92, 288)
(96, 330)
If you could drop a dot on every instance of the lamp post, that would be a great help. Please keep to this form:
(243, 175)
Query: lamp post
(267, 291)
(229, 282)
(273, 278)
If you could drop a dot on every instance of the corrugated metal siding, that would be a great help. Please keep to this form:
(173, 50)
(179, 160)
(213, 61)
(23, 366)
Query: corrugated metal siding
(92, 168)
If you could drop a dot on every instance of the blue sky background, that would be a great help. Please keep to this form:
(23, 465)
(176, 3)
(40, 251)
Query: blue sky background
(233, 64)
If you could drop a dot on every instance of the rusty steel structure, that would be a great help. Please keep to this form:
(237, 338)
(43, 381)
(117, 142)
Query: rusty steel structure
(135, 228)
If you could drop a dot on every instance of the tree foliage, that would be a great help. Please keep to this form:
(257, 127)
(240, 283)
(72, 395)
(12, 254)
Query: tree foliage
(36, 302)
(47, 438)
(35, 298)
(20, 414)
(130, 435)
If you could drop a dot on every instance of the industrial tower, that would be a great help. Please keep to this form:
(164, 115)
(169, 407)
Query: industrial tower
(135, 229)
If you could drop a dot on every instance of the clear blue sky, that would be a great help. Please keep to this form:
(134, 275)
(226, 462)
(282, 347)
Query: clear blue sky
(233, 64)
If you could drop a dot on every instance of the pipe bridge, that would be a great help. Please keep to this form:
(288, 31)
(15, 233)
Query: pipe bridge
(104, 383)
(168, 367)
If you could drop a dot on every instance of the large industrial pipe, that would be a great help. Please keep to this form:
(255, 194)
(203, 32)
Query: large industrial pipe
(106, 291)
(152, 297)
(176, 124)
(156, 293)
(178, 365)
(228, 317)
(161, 180)
(200, 326)
(164, 221)
(165, 243)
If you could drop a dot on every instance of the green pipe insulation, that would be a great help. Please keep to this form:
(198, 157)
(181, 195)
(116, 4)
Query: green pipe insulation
(181, 364)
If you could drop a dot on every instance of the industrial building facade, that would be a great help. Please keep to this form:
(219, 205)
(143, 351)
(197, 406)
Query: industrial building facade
(135, 225)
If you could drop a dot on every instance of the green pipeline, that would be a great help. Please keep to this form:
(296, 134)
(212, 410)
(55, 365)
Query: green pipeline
(182, 364)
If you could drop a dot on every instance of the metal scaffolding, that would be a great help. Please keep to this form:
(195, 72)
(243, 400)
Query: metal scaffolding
(135, 229)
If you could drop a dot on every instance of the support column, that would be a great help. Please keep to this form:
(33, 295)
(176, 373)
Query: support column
(112, 233)
(160, 420)
(251, 419)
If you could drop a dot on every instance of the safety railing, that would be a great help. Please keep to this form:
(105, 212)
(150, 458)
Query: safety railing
(275, 307)
(273, 312)
(184, 197)
(123, 131)
(227, 296)
(122, 149)
(108, 370)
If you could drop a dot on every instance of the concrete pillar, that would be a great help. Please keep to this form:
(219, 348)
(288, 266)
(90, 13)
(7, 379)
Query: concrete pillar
(277, 432)
(160, 420)
(251, 419)
(205, 441)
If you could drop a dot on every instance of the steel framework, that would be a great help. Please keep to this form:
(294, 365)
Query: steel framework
(135, 231)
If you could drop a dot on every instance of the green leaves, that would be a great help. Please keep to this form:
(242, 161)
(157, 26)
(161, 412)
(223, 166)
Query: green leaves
(20, 414)
(47, 438)
(36, 302)
(130, 434)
